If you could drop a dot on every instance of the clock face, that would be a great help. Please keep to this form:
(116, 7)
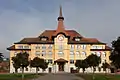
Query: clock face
(60, 38)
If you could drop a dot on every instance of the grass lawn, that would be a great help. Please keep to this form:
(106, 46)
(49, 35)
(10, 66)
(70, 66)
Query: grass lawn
(18, 76)
(100, 76)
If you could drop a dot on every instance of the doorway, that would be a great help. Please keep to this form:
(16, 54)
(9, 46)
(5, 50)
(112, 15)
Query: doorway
(50, 69)
(61, 66)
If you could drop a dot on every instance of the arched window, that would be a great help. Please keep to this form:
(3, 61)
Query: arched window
(83, 53)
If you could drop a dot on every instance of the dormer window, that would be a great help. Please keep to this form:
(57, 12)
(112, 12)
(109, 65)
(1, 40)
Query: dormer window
(44, 39)
(77, 39)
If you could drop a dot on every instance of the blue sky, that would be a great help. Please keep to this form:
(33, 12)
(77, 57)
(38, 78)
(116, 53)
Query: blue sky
(28, 18)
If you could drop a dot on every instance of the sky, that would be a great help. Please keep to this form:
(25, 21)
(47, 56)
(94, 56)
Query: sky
(29, 18)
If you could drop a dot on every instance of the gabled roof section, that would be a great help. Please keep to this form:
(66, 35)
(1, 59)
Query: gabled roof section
(11, 47)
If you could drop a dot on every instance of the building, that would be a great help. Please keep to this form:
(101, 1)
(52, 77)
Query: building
(60, 47)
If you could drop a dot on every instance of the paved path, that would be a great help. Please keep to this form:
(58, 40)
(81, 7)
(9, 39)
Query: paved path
(59, 76)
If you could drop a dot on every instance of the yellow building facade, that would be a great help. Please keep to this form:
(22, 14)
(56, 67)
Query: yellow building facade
(60, 48)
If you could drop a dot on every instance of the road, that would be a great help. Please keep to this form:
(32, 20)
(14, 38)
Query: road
(59, 76)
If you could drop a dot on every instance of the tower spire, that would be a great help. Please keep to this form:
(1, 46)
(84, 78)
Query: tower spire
(60, 27)
(60, 14)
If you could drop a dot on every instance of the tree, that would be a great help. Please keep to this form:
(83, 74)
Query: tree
(105, 66)
(22, 61)
(37, 63)
(81, 64)
(1, 57)
(93, 61)
(44, 66)
(15, 63)
(115, 54)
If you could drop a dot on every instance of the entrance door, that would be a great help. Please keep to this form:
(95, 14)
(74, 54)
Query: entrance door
(61, 67)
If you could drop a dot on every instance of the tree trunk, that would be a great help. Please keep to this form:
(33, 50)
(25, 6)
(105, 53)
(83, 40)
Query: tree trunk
(83, 70)
(36, 70)
(16, 70)
(105, 71)
(22, 73)
(93, 73)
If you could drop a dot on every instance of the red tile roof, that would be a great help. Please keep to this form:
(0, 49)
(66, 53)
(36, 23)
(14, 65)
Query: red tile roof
(49, 34)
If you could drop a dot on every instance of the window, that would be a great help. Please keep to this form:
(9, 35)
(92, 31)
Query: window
(50, 61)
(71, 61)
(72, 46)
(50, 47)
(20, 47)
(44, 39)
(60, 47)
(60, 53)
(43, 53)
(84, 53)
(77, 39)
(37, 47)
(78, 46)
(43, 47)
(15, 53)
(26, 47)
(49, 53)
(37, 53)
(98, 54)
(104, 54)
(71, 53)
(83, 46)
(77, 53)
(96, 47)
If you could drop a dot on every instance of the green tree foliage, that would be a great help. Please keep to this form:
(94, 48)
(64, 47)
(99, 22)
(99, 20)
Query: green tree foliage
(115, 54)
(38, 63)
(1, 57)
(81, 64)
(21, 60)
(15, 63)
(93, 61)
(44, 66)
(105, 66)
